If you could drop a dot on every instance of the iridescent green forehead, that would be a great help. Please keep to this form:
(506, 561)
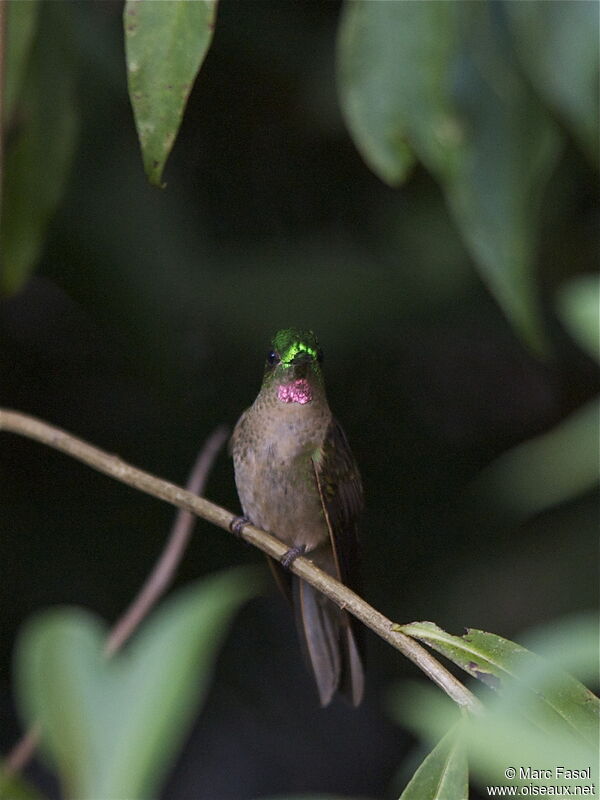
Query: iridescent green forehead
(289, 342)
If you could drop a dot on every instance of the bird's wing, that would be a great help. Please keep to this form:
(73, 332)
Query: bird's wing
(341, 493)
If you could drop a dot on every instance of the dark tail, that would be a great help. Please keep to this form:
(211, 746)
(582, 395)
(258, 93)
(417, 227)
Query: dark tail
(330, 644)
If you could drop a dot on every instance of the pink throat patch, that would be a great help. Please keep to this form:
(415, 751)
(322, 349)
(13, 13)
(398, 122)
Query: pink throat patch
(296, 392)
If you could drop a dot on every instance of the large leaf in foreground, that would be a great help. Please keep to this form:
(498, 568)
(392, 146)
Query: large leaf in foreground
(21, 26)
(558, 45)
(550, 469)
(39, 153)
(494, 740)
(165, 44)
(577, 304)
(444, 774)
(15, 787)
(438, 79)
(112, 727)
(549, 696)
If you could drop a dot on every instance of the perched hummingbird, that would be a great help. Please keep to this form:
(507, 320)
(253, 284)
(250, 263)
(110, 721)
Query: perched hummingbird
(296, 478)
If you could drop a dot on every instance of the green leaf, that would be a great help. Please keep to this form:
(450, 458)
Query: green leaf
(166, 42)
(557, 44)
(112, 727)
(571, 642)
(548, 470)
(439, 76)
(444, 773)
(502, 740)
(495, 740)
(40, 151)
(550, 697)
(21, 26)
(15, 787)
(391, 62)
(421, 708)
(577, 304)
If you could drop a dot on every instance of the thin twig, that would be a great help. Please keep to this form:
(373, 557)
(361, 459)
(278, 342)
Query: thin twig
(113, 466)
(164, 570)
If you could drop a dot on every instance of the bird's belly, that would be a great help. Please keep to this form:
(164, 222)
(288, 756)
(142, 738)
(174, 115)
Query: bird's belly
(278, 492)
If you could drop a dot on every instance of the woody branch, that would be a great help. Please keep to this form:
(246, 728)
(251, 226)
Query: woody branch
(115, 467)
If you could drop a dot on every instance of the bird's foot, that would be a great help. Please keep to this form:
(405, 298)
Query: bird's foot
(287, 559)
(236, 525)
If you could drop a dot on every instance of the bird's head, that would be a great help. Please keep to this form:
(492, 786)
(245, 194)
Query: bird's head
(293, 366)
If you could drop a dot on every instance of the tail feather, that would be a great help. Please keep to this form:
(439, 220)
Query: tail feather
(352, 679)
(328, 643)
(330, 638)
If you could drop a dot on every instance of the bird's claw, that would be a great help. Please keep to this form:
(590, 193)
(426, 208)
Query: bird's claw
(236, 525)
(287, 559)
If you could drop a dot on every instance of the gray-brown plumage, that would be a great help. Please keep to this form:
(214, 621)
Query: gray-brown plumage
(296, 477)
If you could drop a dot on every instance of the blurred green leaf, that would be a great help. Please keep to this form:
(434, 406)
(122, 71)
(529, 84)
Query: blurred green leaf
(553, 695)
(498, 739)
(392, 59)
(444, 774)
(557, 44)
(21, 26)
(571, 643)
(502, 740)
(440, 77)
(112, 727)
(578, 303)
(40, 151)
(423, 709)
(15, 787)
(166, 42)
(548, 470)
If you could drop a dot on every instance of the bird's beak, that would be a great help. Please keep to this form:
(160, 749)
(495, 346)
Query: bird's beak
(300, 363)
(301, 358)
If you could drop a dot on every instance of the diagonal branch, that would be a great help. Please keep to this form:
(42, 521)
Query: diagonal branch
(15, 422)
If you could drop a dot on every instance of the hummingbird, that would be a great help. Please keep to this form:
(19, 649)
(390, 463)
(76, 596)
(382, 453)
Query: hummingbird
(296, 478)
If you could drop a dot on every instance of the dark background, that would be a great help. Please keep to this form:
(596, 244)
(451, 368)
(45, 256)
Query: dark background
(146, 326)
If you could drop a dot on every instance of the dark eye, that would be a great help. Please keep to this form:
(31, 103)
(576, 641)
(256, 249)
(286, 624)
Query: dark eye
(272, 358)
(320, 356)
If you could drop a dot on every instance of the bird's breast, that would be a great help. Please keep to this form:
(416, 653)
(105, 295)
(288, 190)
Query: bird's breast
(275, 478)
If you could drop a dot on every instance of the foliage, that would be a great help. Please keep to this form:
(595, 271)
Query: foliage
(541, 716)
(165, 44)
(14, 787)
(444, 772)
(40, 128)
(562, 463)
(435, 81)
(112, 727)
(497, 663)
(485, 96)
(578, 309)
(440, 78)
